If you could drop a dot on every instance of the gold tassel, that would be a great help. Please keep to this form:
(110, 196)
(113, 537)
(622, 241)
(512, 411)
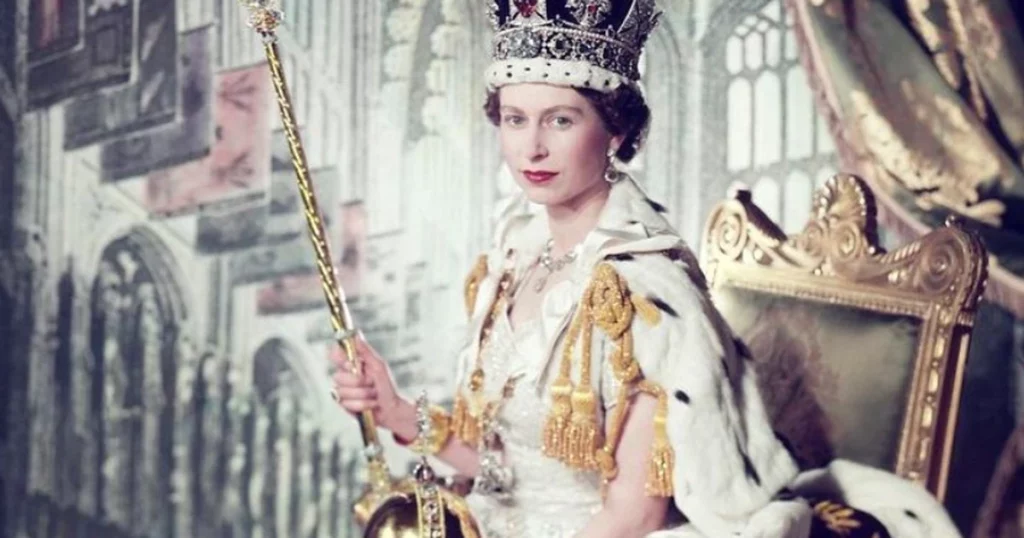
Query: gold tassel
(659, 469)
(555, 426)
(583, 437)
(662, 458)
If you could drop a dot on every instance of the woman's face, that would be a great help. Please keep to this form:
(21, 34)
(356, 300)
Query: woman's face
(554, 142)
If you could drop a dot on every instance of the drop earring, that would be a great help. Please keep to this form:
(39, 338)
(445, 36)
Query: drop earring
(612, 174)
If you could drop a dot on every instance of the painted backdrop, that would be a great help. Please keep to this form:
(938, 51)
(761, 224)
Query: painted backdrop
(164, 344)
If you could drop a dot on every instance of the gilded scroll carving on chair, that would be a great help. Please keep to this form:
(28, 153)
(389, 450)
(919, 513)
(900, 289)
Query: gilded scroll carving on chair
(839, 241)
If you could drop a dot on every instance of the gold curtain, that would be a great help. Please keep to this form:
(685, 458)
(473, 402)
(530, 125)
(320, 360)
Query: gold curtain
(925, 99)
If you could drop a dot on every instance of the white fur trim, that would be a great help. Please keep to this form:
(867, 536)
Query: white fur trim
(906, 509)
(574, 74)
(778, 519)
(728, 462)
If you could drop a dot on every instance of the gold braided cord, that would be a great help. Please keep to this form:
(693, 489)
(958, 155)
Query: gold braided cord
(608, 304)
(615, 317)
(606, 456)
(583, 437)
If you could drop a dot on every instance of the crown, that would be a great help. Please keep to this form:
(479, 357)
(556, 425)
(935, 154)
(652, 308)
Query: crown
(580, 43)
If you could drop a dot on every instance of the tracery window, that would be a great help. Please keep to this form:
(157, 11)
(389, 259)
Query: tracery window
(775, 140)
(133, 337)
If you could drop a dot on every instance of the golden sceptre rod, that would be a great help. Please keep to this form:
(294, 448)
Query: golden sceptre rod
(265, 17)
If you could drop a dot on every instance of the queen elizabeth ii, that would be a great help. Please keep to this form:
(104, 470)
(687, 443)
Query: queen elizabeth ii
(599, 392)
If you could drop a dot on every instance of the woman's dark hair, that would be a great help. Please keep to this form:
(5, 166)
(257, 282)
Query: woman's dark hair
(623, 111)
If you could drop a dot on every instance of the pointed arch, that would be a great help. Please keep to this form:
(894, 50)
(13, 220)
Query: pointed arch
(278, 366)
(137, 314)
(664, 85)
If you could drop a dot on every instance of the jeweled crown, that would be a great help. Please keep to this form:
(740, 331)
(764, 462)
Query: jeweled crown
(607, 35)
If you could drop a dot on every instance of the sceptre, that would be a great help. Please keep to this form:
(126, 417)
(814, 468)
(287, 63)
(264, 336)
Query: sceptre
(417, 507)
(264, 17)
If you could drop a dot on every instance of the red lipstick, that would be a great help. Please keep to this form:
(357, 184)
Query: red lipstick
(538, 176)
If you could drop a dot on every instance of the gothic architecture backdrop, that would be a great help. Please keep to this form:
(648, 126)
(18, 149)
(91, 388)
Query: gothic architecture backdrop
(164, 343)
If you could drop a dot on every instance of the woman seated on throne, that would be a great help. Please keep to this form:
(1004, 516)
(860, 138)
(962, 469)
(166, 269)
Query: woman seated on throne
(599, 392)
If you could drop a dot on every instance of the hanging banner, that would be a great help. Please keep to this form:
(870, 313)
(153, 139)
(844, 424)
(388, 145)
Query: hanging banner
(245, 225)
(293, 293)
(294, 256)
(187, 139)
(103, 59)
(53, 27)
(238, 166)
(152, 99)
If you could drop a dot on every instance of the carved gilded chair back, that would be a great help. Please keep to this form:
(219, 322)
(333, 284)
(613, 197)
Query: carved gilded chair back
(860, 352)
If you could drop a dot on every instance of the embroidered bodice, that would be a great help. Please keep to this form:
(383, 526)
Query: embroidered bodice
(549, 500)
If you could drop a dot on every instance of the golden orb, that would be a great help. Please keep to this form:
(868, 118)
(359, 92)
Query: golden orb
(422, 509)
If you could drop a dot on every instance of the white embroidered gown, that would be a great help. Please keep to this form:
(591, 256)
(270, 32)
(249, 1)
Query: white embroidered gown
(549, 500)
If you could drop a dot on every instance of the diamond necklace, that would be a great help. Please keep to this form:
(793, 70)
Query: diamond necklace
(552, 265)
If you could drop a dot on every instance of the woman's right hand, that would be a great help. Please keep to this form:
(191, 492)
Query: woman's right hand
(372, 390)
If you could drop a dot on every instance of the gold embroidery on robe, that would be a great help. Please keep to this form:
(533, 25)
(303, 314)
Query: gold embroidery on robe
(469, 409)
(472, 285)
